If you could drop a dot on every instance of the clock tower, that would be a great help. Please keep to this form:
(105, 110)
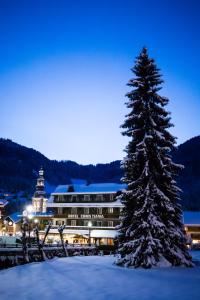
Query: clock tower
(39, 200)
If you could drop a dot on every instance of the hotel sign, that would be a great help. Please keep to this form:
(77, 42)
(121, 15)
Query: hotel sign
(85, 216)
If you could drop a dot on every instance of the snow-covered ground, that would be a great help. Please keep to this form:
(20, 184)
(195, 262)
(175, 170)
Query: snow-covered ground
(95, 277)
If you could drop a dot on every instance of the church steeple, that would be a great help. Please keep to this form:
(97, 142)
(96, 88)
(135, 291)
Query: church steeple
(40, 186)
(39, 198)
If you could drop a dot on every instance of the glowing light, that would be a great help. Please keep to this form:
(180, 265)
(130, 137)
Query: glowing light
(30, 217)
(36, 221)
(10, 223)
(29, 208)
(25, 213)
(89, 224)
(195, 242)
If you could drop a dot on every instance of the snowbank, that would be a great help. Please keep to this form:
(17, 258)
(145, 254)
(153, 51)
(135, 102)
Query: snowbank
(95, 277)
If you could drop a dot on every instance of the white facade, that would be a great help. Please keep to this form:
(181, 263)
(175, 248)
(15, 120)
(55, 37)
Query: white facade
(77, 206)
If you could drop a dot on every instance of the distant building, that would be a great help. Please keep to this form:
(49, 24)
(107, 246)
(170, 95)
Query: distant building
(3, 204)
(12, 224)
(191, 221)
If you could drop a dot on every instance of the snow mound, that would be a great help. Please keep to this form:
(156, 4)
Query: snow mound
(96, 277)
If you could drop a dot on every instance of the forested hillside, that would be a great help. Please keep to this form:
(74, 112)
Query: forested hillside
(19, 166)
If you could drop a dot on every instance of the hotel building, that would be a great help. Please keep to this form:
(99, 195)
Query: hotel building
(87, 211)
(90, 212)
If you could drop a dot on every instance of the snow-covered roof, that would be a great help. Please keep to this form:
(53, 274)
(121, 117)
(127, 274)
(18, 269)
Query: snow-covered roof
(15, 217)
(3, 202)
(191, 217)
(116, 203)
(39, 214)
(91, 188)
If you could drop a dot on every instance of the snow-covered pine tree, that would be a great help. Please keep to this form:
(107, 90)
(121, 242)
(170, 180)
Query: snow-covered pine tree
(151, 232)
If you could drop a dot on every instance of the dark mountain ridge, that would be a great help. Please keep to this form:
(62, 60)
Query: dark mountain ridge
(19, 168)
(188, 154)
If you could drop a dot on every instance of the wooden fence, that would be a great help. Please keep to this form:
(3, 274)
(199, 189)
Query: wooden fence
(13, 255)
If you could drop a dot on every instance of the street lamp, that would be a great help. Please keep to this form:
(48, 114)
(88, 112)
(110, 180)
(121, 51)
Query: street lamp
(30, 217)
(36, 222)
(89, 228)
(27, 217)
(29, 209)
(25, 213)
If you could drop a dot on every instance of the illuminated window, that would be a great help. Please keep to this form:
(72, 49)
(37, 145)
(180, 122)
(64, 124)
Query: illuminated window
(99, 211)
(85, 223)
(60, 210)
(86, 210)
(60, 222)
(110, 223)
(73, 222)
(74, 210)
(110, 210)
(99, 223)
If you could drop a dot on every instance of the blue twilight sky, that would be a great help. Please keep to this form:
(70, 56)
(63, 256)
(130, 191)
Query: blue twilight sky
(64, 66)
